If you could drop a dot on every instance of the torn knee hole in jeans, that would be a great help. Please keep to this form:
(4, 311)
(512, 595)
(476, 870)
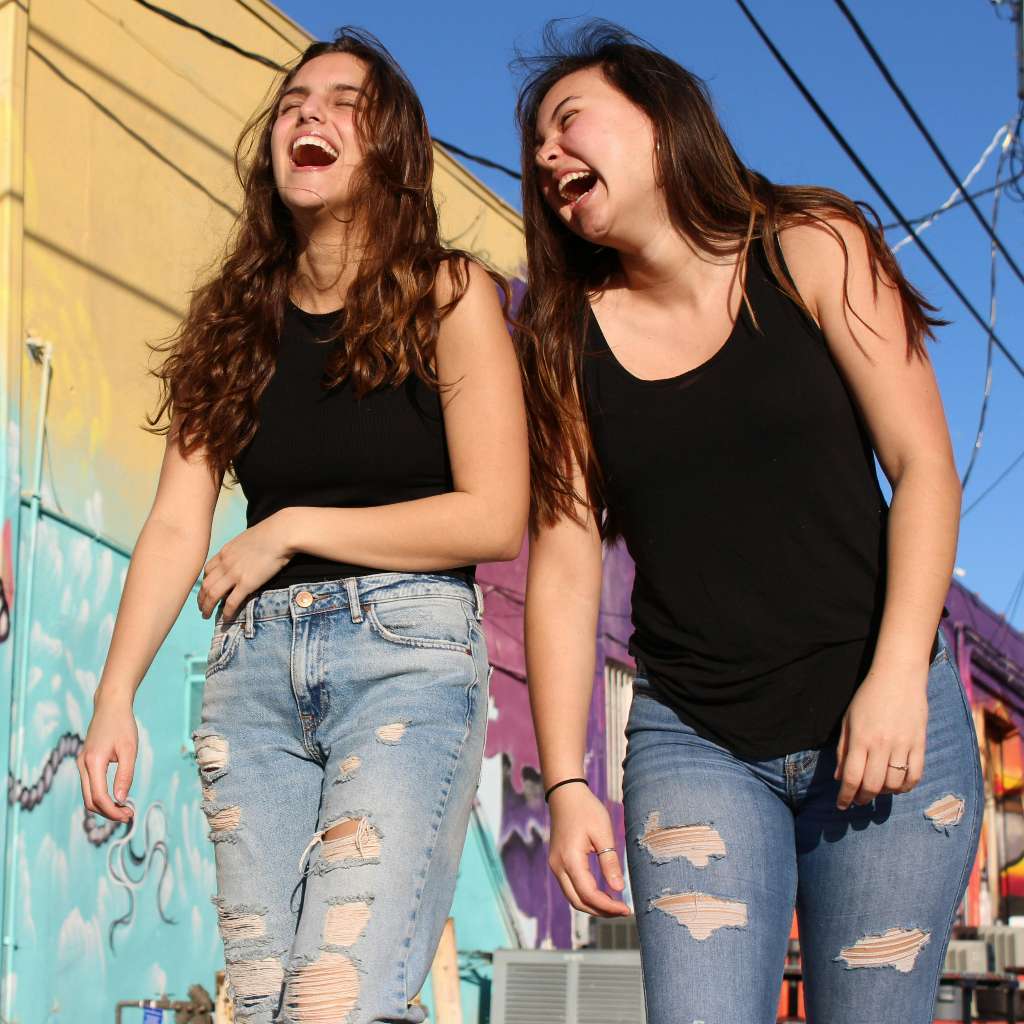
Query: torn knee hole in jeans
(351, 840)
(945, 813)
(701, 913)
(240, 922)
(698, 843)
(322, 991)
(256, 979)
(348, 768)
(346, 921)
(897, 947)
(222, 820)
(212, 753)
(392, 733)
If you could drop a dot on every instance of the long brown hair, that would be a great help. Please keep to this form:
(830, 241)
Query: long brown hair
(713, 198)
(222, 356)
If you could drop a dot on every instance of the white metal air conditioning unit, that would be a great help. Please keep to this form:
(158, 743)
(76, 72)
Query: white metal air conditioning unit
(1007, 945)
(967, 956)
(587, 986)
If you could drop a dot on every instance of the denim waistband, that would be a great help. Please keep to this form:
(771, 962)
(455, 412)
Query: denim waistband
(353, 593)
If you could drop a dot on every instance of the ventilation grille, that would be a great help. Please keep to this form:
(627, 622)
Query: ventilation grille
(195, 680)
(566, 987)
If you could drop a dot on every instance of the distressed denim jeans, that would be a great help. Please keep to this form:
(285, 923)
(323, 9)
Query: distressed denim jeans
(360, 703)
(721, 849)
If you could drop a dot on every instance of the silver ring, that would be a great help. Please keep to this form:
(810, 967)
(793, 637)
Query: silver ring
(898, 767)
(609, 849)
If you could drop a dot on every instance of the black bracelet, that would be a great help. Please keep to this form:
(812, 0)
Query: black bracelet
(564, 782)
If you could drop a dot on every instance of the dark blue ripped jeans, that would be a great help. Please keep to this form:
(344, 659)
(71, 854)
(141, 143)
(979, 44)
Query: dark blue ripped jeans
(362, 704)
(721, 848)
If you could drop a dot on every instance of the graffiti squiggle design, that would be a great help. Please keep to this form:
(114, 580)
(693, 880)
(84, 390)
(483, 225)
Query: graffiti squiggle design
(97, 831)
(122, 860)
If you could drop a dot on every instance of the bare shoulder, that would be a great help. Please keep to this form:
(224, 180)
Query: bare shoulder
(821, 255)
(461, 278)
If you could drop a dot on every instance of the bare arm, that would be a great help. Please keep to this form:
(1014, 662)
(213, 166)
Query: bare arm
(482, 519)
(167, 559)
(563, 596)
(899, 400)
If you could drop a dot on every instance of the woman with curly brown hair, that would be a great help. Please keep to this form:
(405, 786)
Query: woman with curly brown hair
(359, 381)
(711, 363)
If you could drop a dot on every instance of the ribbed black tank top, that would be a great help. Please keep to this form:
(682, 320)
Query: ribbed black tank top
(746, 493)
(322, 448)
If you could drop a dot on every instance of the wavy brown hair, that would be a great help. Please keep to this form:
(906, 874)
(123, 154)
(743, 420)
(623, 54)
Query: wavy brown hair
(222, 356)
(713, 198)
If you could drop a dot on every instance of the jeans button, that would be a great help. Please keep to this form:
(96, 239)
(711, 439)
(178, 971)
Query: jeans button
(303, 598)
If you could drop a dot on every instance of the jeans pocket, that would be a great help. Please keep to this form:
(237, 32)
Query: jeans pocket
(443, 623)
(223, 645)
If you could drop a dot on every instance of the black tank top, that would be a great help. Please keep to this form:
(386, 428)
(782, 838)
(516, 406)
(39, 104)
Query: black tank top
(746, 493)
(315, 447)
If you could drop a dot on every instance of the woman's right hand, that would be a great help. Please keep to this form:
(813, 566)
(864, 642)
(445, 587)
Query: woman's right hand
(113, 737)
(581, 826)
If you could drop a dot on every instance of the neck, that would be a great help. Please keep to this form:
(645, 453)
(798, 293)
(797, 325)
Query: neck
(668, 269)
(329, 258)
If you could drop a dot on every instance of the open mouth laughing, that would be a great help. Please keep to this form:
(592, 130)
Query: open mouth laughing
(575, 186)
(310, 151)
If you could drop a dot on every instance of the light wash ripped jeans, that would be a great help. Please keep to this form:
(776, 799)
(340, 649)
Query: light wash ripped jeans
(721, 849)
(361, 700)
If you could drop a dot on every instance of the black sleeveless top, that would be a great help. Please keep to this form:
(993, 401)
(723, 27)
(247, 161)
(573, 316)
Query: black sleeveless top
(746, 493)
(322, 448)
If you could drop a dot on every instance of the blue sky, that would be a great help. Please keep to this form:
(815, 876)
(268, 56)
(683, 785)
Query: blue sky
(956, 62)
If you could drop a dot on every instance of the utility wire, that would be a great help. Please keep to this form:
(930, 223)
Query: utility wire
(915, 117)
(959, 191)
(213, 37)
(1008, 142)
(987, 191)
(274, 66)
(875, 184)
(992, 486)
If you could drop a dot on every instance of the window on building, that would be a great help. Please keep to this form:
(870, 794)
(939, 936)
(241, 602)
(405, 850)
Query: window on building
(618, 694)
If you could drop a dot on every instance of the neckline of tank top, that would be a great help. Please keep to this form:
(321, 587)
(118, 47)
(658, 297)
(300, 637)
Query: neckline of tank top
(752, 281)
(315, 323)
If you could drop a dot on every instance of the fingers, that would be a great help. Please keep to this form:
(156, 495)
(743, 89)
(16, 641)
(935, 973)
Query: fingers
(96, 768)
(609, 862)
(214, 587)
(851, 776)
(593, 900)
(233, 602)
(873, 778)
(83, 776)
(841, 750)
(915, 769)
(124, 774)
(569, 890)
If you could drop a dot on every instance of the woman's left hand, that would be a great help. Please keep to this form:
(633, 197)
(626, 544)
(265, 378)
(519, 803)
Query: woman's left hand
(242, 565)
(881, 745)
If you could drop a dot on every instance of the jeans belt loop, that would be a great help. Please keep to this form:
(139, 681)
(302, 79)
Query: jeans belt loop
(250, 618)
(479, 601)
(354, 607)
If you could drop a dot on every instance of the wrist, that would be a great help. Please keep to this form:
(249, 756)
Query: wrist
(287, 523)
(113, 695)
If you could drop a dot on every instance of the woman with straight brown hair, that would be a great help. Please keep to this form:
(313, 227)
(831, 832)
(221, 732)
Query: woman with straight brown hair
(712, 361)
(359, 381)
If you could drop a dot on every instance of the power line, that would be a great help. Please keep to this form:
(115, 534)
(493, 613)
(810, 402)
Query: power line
(987, 191)
(267, 62)
(212, 36)
(928, 137)
(876, 185)
(992, 308)
(992, 486)
(999, 137)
